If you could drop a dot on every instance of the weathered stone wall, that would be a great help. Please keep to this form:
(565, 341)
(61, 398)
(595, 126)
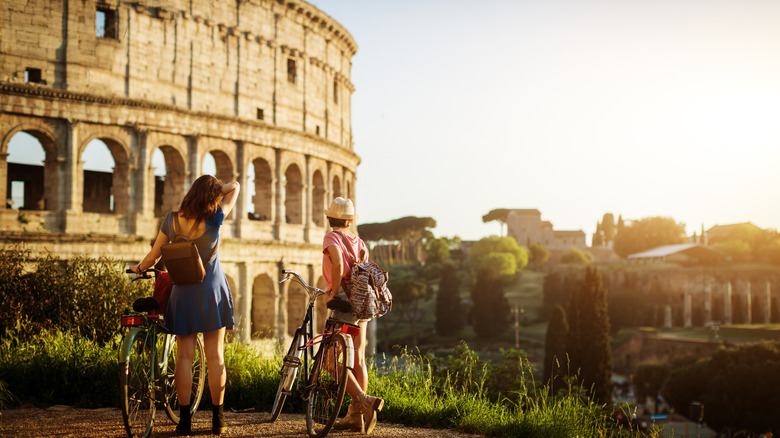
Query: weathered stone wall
(257, 84)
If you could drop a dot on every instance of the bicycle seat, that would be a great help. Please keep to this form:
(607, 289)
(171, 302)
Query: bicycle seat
(147, 304)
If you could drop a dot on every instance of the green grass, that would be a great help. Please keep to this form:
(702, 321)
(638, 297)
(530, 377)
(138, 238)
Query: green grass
(61, 368)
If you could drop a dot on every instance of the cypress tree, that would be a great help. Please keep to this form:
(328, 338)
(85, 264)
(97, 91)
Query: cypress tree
(490, 314)
(449, 312)
(588, 340)
(556, 361)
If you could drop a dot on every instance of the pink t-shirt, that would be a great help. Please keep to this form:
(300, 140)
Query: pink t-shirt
(333, 239)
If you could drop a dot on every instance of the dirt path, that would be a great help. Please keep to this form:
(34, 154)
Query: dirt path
(65, 421)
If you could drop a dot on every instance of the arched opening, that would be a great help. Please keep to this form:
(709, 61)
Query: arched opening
(168, 172)
(293, 195)
(31, 181)
(261, 194)
(263, 308)
(350, 195)
(105, 177)
(220, 165)
(296, 305)
(318, 199)
(336, 187)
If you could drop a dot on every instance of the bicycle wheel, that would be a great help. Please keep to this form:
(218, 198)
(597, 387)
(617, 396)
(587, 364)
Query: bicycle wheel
(328, 383)
(290, 365)
(198, 380)
(136, 389)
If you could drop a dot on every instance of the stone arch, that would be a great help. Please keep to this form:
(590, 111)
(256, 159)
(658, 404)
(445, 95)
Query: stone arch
(336, 187)
(318, 199)
(293, 195)
(264, 190)
(169, 191)
(41, 188)
(263, 307)
(225, 169)
(116, 140)
(296, 306)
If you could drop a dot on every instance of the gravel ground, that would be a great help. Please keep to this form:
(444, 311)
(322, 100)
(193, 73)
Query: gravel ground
(65, 421)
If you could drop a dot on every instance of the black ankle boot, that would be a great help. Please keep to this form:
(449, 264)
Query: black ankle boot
(218, 420)
(185, 421)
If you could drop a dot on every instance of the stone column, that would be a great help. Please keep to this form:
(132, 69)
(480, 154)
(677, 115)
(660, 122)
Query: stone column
(668, 316)
(193, 170)
(727, 303)
(73, 171)
(243, 303)
(307, 200)
(707, 302)
(767, 303)
(278, 197)
(4, 179)
(687, 311)
(240, 215)
(748, 304)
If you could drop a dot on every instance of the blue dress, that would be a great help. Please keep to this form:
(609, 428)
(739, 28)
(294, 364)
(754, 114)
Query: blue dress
(207, 306)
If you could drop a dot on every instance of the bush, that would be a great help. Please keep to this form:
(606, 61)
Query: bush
(83, 296)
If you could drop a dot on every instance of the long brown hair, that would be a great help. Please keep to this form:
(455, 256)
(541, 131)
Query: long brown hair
(202, 200)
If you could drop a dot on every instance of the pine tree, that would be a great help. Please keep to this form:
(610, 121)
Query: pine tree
(555, 359)
(588, 340)
(490, 314)
(449, 312)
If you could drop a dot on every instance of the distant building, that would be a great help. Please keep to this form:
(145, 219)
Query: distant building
(527, 226)
(679, 253)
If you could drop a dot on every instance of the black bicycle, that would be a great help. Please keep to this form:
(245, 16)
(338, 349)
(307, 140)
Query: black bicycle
(324, 380)
(147, 360)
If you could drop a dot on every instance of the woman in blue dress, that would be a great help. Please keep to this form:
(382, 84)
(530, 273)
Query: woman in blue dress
(205, 307)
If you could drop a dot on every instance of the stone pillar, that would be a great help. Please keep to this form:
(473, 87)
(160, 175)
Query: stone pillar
(243, 304)
(687, 309)
(278, 197)
(194, 164)
(727, 303)
(767, 303)
(707, 302)
(73, 172)
(308, 185)
(748, 304)
(4, 195)
(240, 215)
(668, 316)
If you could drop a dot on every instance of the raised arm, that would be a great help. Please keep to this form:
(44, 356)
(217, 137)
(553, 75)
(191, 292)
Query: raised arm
(229, 196)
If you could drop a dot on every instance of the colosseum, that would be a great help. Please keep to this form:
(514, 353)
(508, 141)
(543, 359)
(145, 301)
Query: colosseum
(259, 88)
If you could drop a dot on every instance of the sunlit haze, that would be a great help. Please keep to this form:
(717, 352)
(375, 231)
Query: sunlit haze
(575, 108)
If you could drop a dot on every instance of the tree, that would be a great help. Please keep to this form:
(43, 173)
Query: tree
(647, 233)
(494, 260)
(499, 214)
(449, 311)
(628, 308)
(490, 310)
(649, 379)
(737, 386)
(577, 256)
(399, 240)
(538, 255)
(409, 289)
(588, 341)
(437, 250)
(555, 359)
(605, 231)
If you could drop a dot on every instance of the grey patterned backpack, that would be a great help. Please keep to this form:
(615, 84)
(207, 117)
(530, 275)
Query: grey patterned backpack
(367, 288)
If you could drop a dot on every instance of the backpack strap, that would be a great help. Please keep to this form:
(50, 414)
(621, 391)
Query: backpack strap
(177, 229)
(349, 249)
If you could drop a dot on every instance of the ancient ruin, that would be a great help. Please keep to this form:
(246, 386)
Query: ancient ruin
(261, 86)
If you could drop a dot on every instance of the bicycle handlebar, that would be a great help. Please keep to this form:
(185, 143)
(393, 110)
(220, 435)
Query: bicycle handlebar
(292, 274)
(144, 274)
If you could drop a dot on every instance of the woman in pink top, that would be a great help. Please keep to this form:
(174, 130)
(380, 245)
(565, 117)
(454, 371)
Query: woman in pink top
(336, 266)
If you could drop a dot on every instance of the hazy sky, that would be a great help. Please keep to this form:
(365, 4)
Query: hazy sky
(576, 108)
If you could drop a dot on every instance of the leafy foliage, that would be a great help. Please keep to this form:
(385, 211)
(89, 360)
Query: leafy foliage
(399, 240)
(437, 250)
(490, 311)
(555, 359)
(577, 256)
(538, 255)
(84, 295)
(588, 341)
(449, 311)
(499, 214)
(737, 387)
(497, 257)
(643, 234)
(409, 286)
(649, 379)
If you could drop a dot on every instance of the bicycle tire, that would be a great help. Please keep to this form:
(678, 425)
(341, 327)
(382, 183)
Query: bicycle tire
(198, 380)
(288, 373)
(328, 383)
(136, 387)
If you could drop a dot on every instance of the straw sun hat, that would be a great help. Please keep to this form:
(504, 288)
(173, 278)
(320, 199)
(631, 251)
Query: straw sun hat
(341, 208)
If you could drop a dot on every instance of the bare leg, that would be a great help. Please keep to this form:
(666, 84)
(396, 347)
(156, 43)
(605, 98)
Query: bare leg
(214, 346)
(185, 352)
(357, 380)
